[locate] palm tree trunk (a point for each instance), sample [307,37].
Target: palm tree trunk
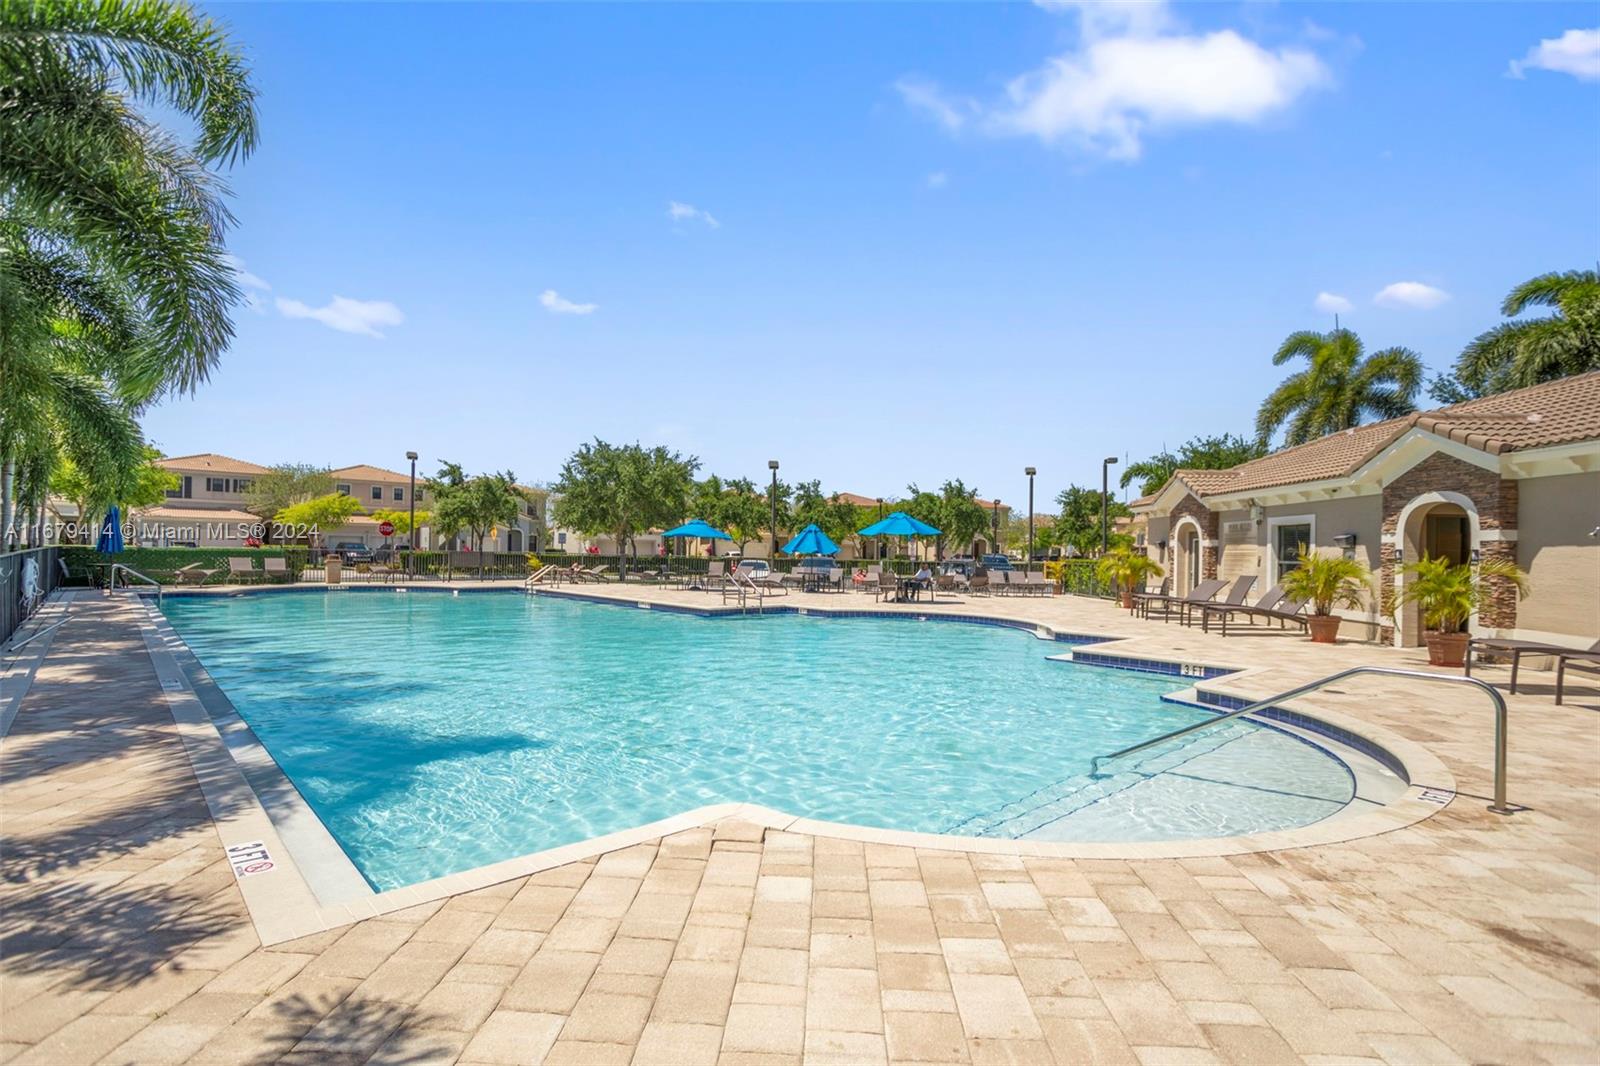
[6,471]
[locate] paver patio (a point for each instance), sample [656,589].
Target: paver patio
[1468,937]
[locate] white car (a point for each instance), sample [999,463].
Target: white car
[755,569]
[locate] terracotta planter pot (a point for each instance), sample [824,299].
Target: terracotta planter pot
[1127,599]
[1324,628]
[1446,649]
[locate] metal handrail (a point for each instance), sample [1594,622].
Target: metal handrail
[1499,806]
[36,634]
[130,571]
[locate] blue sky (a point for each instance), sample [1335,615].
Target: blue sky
[910,242]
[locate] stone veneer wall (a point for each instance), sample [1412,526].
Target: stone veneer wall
[1496,501]
[1208,532]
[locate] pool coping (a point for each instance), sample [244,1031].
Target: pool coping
[283,905]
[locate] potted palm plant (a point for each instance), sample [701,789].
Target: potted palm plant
[1326,582]
[1447,595]
[1129,570]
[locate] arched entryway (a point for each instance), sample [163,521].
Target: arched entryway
[1186,556]
[1435,525]
[513,540]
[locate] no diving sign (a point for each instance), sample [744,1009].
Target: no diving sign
[250,859]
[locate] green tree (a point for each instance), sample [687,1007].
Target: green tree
[320,516]
[838,518]
[1340,388]
[401,520]
[113,278]
[1078,526]
[623,490]
[142,486]
[745,515]
[1197,453]
[954,511]
[473,505]
[283,486]
[1513,355]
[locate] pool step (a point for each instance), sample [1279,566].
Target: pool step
[1065,798]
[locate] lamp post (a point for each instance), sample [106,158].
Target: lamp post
[1030,471]
[772,465]
[994,516]
[880,518]
[1105,500]
[411,523]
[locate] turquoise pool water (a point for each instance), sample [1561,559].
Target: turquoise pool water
[433,733]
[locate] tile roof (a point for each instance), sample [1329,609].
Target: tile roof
[221,464]
[362,472]
[1540,416]
[163,513]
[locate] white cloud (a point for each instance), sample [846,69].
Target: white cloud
[243,276]
[1410,294]
[681,212]
[1133,73]
[1331,303]
[924,96]
[938,179]
[1576,52]
[346,315]
[557,304]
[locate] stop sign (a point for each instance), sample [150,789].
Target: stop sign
[386,528]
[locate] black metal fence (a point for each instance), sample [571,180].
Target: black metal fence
[19,599]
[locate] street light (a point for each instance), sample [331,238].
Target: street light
[1030,471]
[772,465]
[1105,499]
[411,524]
[995,515]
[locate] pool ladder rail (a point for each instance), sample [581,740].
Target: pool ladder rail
[745,587]
[111,585]
[1499,806]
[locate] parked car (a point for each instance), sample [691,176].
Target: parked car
[390,553]
[960,564]
[755,569]
[997,562]
[352,552]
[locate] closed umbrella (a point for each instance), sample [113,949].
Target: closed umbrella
[811,541]
[111,533]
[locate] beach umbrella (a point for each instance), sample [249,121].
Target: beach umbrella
[811,541]
[111,532]
[899,524]
[698,528]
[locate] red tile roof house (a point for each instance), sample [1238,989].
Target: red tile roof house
[1514,476]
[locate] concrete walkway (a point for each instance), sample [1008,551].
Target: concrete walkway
[1465,938]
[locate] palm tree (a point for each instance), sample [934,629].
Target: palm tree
[1341,387]
[1516,354]
[117,283]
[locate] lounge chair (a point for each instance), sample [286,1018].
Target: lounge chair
[979,583]
[595,573]
[1201,593]
[1269,601]
[716,575]
[1518,648]
[193,574]
[241,567]
[888,587]
[1235,598]
[276,566]
[1161,593]
[1587,660]
[1035,583]
[1000,583]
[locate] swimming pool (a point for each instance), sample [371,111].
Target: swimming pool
[434,733]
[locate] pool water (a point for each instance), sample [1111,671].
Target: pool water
[433,733]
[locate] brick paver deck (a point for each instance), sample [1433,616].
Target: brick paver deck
[1465,938]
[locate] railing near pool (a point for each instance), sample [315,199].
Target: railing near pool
[1499,806]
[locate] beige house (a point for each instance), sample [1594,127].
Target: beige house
[207,508]
[1513,476]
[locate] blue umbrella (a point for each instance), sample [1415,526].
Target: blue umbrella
[811,541]
[899,524]
[111,533]
[698,528]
